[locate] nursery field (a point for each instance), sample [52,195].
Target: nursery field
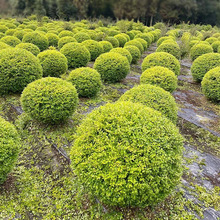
[117,121]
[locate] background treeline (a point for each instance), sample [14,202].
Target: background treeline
[147,11]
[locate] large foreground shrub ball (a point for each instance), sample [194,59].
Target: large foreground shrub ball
[53,62]
[36,38]
[93,47]
[49,100]
[76,54]
[203,64]
[18,68]
[86,80]
[126,154]
[113,67]
[153,97]
[160,76]
[161,59]
[211,84]
[200,49]
[9,148]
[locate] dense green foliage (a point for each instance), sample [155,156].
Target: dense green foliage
[93,47]
[113,41]
[171,48]
[10,40]
[121,39]
[135,43]
[106,46]
[9,148]
[36,38]
[86,80]
[153,97]
[81,36]
[18,67]
[161,59]
[114,159]
[76,54]
[203,64]
[53,62]
[29,47]
[160,76]
[52,39]
[123,52]
[113,67]
[211,84]
[65,40]
[50,100]
[135,53]
[200,49]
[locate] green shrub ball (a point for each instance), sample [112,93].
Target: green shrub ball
[203,64]
[76,54]
[49,100]
[81,36]
[18,68]
[127,155]
[154,97]
[113,41]
[65,40]
[9,148]
[135,43]
[135,53]
[121,39]
[200,49]
[10,40]
[106,46]
[29,47]
[113,67]
[123,52]
[53,62]
[52,39]
[171,48]
[161,59]
[93,47]
[37,39]
[86,80]
[160,76]
[211,84]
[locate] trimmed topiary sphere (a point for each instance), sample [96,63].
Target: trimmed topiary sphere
[29,47]
[171,48]
[3,28]
[121,39]
[65,34]
[211,84]
[37,39]
[211,40]
[9,148]
[153,97]
[160,76]
[49,100]
[76,54]
[65,40]
[106,46]
[52,39]
[4,46]
[161,59]
[81,36]
[203,64]
[53,62]
[135,53]
[143,42]
[10,40]
[18,68]
[162,39]
[86,80]
[126,154]
[113,41]
[215,46]
[19,34]
[144,36]
[200,49]
[93,47]
[135,43]
[113,67]
[123,52]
